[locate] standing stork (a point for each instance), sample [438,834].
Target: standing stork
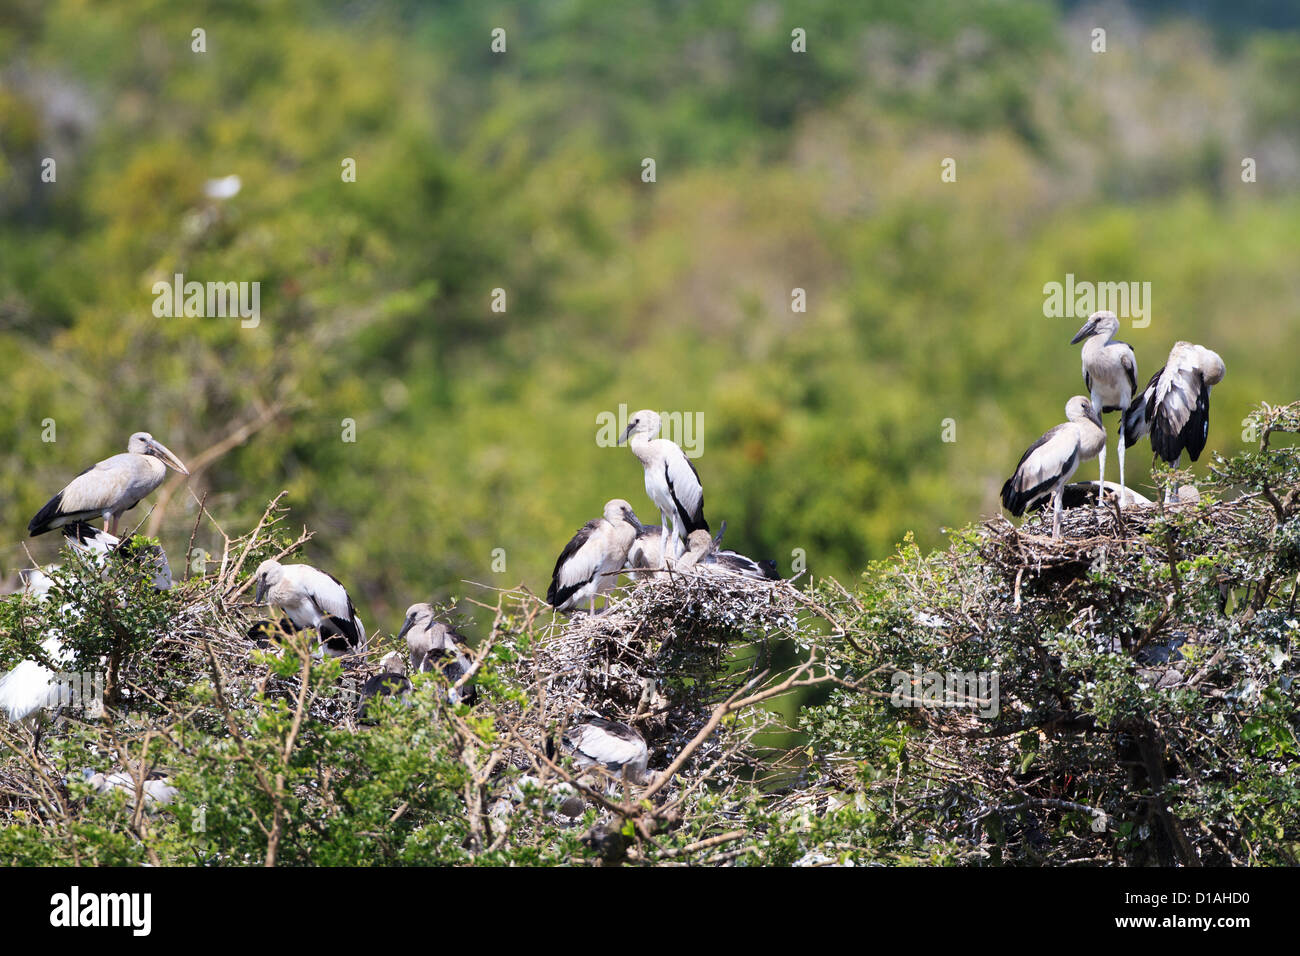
[1175,406]
[110,488]
[589,564]
[434,645]
[671,481]
[312,599]
[1110,374]
[1050,462]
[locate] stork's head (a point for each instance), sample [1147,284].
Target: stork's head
[644,422]
[1079,409]
[699,542]
[419,617]
[1099,323]
[393,663]
[617,510]
[142,443]
[268,574]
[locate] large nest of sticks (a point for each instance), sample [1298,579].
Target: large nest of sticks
[661,654]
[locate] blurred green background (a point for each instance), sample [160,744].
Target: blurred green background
[476,430]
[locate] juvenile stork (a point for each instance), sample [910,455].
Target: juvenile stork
[1175,406]
[671,481]
[312,599]
[611,746]
[707,552]
[589,564]
[110,488]
[1110,374]
[389,682]
[1050,462]
[434,645]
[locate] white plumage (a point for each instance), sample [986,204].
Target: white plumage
[1174,408]
[671,481]
[1049,462]
[109,488]
[589,564]
[1110,374]
[610,745]
[311,598]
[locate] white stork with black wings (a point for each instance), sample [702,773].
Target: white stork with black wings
[1110,374]
[1175,406]
[610,745]
[312,599]
[1050,462]
[671,481]
[110,488]
[589,564]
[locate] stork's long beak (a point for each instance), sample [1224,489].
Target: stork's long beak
[171,461]
[260,596]
[1088,328]
[406,626]
[721,531]
[633,520]
[627,432]
[1096,417]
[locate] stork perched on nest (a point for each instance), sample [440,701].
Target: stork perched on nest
[705,551]
[389,682]
[1110,374]
[435,645]
[1050,462]
[1174,408]
[671,481]
[109,488]
[589,564]
[310,598]
[611,746]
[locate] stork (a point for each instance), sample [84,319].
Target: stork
[154,789]
[1078,494]
[589,564]
[110,488]
[610,746]
[1049,462]
[31,687]
[707,552]
[434,645]
[1174,408]
[389,682]
[1110,374]
[671,480]
[312,599]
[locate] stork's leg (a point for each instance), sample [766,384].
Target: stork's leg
[1101,476]
[111,528]
[663,540]
[1057,499]
[1123,491]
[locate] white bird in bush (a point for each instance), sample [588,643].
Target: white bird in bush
[1110,374]
[671,481]
[310,598]
[590,563]
[31,687]
[110,488]
[1049,462]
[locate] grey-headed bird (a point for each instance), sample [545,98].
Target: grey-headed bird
[671,481]
[589,564]
[109,488]
[1110,374]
